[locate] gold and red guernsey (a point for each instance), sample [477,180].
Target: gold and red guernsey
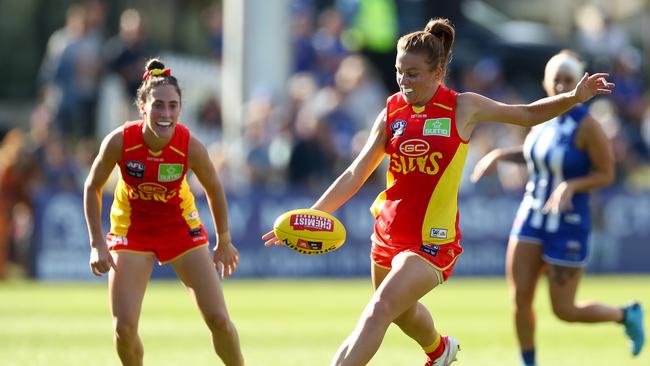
[420,203]
[152,192]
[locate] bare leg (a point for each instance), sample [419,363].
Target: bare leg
[563,285]
[409,280]
[416,322]
[524,266]
[199,275]
[127,285]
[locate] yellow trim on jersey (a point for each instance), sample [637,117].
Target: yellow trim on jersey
[418,109]
[155,153]
[121,210]
[441,211]
[379,202]
[133,148]
[443,106]
[190,213]
[177,151]
[397,110]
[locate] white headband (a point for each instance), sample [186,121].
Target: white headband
[566,64]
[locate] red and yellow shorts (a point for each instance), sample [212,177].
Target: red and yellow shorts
[168,244]
[441,257]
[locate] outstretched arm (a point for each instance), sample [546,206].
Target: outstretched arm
[473,108]
[349,182]
[353,178]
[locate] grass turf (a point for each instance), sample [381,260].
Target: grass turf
[301,323]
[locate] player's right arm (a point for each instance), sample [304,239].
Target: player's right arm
[109,155]
[351,180]
[348,183]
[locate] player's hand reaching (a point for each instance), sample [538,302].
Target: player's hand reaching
[485,166]
[226,256]
[560,200]
[101,260]
[270,239]
[592,85]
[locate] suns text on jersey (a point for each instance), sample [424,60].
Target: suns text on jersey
[138,194]
[427,164]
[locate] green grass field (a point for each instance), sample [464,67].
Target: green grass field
[300,323]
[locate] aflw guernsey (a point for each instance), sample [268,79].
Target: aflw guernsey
[552,157]
[152,193]
[420,203]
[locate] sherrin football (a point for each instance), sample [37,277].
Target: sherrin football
[309,231]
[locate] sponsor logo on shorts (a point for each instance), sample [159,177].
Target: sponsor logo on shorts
[572,218]
[430,249]
[195,232]
[311,223]
[397,127]
[118,240]
[438,233]
[437,127]
[573,246]
[169,172]
[134,168]
[197,235]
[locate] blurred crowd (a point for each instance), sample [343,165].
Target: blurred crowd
[342,74]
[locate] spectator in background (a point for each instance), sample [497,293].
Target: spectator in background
[71,68]
[373,32]
[629,99]
[213,18]
[209,125]
[598,35]
[304,54]
[59,168]
[18,174]
[313,154]
[328,45]
[567,157]
[125,52]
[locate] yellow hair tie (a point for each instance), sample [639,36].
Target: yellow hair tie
[156,72]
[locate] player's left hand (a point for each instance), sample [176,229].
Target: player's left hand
[592,85]
[560,200]
[226,256]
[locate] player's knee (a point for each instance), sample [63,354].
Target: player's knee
[523,298]
[379,312]
[218,321]
[565,312]
[125,330]
[406,317]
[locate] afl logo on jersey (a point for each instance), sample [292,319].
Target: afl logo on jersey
[135,168]
[414,147]
[397,128]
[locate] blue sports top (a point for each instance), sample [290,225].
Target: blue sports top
[552,157]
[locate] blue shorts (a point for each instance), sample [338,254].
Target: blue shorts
[567,245]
